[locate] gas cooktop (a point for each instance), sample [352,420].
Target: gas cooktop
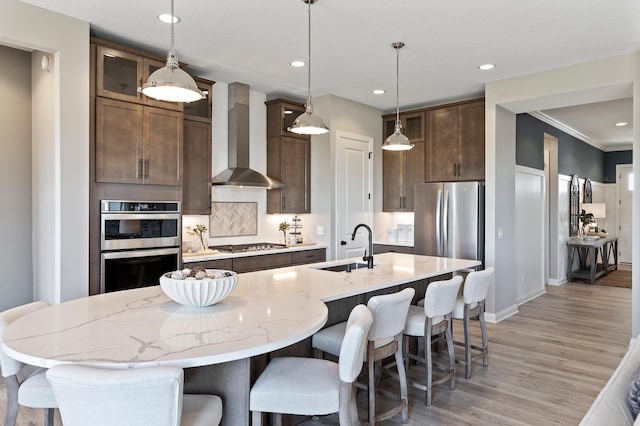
[242,248]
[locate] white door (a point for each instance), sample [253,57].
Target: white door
[353,193]
[624,184]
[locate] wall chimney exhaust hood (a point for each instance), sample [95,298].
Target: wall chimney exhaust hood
[239,173]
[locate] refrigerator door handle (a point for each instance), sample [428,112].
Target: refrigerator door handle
[445,224]
[438,220]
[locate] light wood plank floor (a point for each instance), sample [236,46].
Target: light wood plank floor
[547,365]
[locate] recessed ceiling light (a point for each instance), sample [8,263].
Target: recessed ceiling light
[622,123]
[297,64]
[166,18]
[378,91]
[485,67]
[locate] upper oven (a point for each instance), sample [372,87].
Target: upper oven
[139,225]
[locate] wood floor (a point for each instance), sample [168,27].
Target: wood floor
[547,365]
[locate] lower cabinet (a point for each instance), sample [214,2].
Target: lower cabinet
[389,248]
[263,262]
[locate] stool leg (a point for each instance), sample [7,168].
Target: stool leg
[371,388]
[402,378]
[485,338]
[277,419]
[467,343]
[452,355]
[256,418]
[428,364]
[12,400]
[48,416]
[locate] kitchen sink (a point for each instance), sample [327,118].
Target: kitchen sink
[345,267]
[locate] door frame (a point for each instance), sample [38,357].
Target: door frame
[618,210]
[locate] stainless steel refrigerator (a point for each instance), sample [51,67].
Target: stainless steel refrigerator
[449,219]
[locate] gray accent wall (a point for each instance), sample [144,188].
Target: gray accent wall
[613,158]
[574,155]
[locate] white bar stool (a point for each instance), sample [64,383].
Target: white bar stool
[432,320]
[471,307]
[385,340]
[311,386]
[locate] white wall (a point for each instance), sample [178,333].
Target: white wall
[530,201]
[605,79]
[15,178]
[60,203]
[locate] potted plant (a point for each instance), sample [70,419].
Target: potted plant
[283,228]
[585,219]
[198,231]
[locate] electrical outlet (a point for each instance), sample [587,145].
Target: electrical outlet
[319,230]
[499,233]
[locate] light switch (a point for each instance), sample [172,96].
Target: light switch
[499,233]
[319,230]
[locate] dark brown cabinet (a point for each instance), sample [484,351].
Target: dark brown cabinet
[119,73]
[137,144]
[196,187]
[196,183]
[288,160]
[403,169]
[263,261]
[455,150]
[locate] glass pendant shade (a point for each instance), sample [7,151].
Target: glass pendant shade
[170,83]
[309,123]
[397,141]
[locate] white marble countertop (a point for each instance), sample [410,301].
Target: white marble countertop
[395,243]
[213,255]
[268,310]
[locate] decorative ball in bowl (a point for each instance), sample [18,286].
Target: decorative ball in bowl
[198,286]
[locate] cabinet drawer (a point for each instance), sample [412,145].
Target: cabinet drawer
[389,248]
[308,256]
[259,263]
[212,264]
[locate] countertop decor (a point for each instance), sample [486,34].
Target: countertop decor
[198,287]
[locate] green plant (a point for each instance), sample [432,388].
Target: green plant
[283,228]
[198,231]
[585,218]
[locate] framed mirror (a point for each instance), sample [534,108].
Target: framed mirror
[574,206]
[587,197]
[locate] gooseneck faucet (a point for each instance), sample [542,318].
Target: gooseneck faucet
[368,259]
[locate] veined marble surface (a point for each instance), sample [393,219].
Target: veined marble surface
[214,255]
[268,310]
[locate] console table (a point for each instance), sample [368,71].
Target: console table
[587,252]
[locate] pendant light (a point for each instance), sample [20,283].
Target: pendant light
[397,141]
[309,123]
[170,83]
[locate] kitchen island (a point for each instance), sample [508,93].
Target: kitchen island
[267,311]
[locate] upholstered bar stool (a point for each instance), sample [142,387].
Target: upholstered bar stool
[310,386]
[471,307]
[34,391]
[434,319]
[384,340]
[129,397]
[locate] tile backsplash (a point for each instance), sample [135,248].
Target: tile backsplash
[230,219]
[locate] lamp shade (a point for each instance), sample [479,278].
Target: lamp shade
[309,123]
[397,142]
[172,84]
[598,210]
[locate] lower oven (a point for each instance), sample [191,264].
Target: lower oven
[123,270]
[139,241]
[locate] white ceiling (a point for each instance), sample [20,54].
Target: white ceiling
[253,41]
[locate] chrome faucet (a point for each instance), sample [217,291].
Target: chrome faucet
[368,259]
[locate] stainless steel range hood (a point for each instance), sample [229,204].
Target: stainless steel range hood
[239,173]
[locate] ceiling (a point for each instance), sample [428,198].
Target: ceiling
[253,41]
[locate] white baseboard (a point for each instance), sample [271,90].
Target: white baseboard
[503,314]
[531,296]
[557,282]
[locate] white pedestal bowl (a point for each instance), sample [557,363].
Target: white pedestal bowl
[199,292]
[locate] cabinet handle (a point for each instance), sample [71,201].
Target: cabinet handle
[284,203]
[455,173]
[146,166]
[139,169]
[458,169]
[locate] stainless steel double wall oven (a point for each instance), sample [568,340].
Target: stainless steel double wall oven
[139,241]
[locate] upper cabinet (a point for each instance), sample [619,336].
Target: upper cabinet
[288,159]
[119,73]
[196,186]
[455,148]
[401,170]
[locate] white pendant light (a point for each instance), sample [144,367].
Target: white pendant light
[309,123]
[170,83]
[397,141]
